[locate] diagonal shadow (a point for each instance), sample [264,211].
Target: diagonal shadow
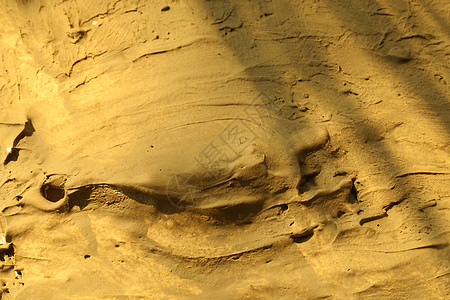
[313,53]
[428,88]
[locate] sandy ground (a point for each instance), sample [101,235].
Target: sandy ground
[208,149]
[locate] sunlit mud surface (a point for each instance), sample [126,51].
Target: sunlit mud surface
[224,149]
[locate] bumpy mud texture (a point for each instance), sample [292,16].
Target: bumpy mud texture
[224,149]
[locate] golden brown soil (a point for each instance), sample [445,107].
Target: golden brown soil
[225,149]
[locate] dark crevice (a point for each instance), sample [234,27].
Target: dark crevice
[52,193]
[353,195]
[7,252]
[304,236]
[391,205]
[383,215]
[372,218]
[284,207]
[307,181]
[12,156]
[281,208]
[421,173]
[80,197]
[27,131]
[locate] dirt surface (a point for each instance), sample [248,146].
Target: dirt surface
[225,149]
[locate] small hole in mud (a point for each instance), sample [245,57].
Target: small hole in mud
[87,256]
[52,193]
[117,246]
[165,8]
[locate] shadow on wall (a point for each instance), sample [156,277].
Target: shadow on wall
[295,45]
